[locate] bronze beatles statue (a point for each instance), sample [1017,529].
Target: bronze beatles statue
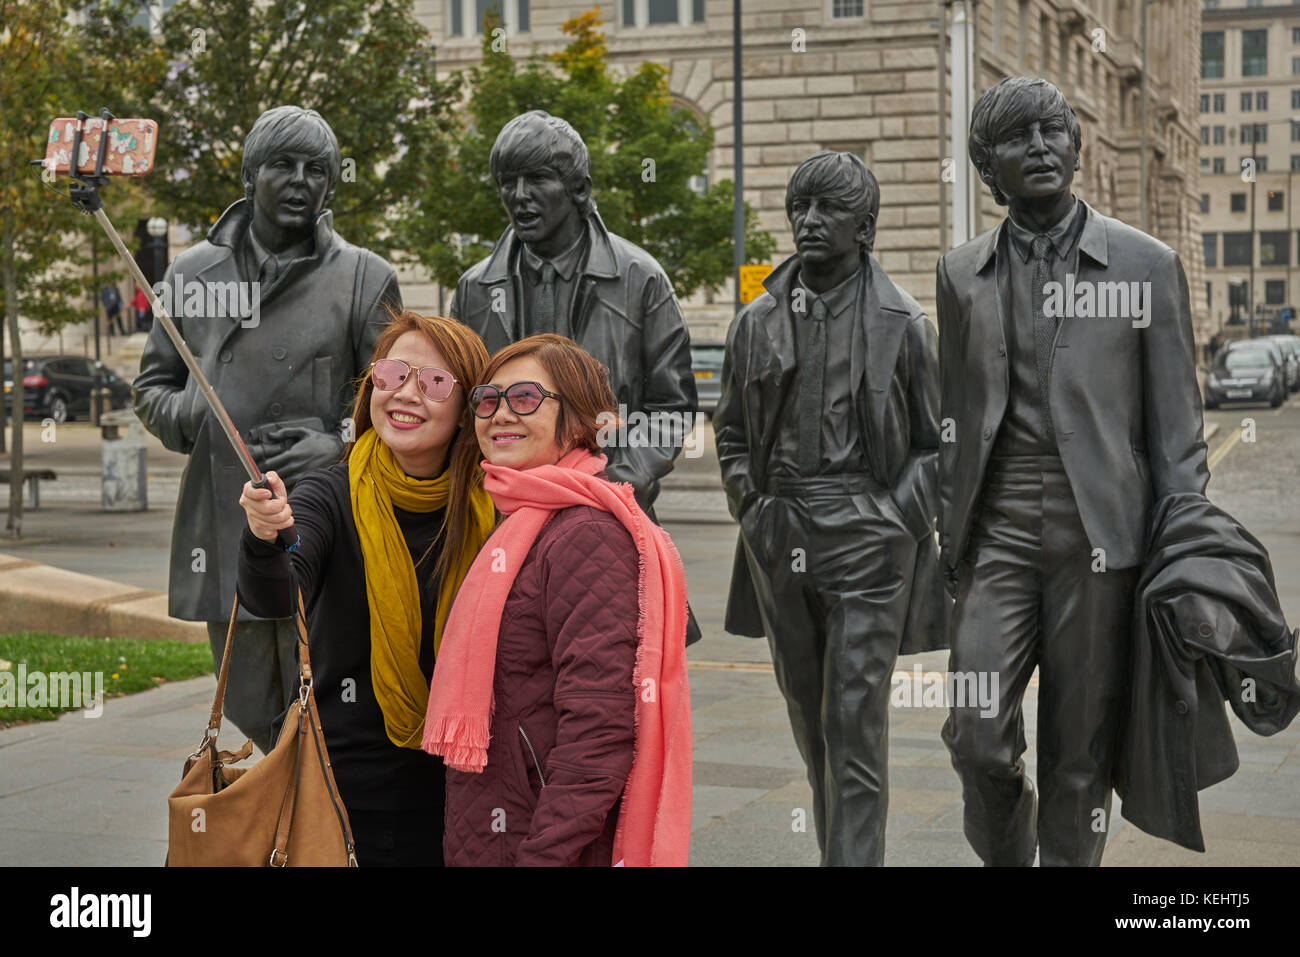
[557,269]
[282,354]
[828,438]
[1075,532]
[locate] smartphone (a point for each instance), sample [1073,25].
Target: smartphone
[131,145]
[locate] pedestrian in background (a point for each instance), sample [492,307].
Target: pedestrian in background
[112,300]
[141,306]
[561,701]
[386,538]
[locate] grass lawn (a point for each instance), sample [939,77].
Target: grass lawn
[127,666]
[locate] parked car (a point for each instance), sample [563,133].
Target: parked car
[1291,349]
[1246,371]
[59,387]
[706,361]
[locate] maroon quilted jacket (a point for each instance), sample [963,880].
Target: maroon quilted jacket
[562,730]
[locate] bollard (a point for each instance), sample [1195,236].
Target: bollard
[125,471]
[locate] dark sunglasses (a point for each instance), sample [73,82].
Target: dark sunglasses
[389,375]
[523,398]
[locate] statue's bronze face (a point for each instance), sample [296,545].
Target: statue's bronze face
[1035,161]
[825,230]
[289,191]
[541,208]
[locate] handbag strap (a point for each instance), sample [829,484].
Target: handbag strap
[308,724]
[280,850]
[223,675]
[214,719]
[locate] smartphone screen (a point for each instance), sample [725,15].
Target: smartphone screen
[131,145]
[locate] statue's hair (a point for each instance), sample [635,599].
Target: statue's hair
[538,139]
[1011,103]
[843,177]
[290,129]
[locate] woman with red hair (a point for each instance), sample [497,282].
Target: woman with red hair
[386,536]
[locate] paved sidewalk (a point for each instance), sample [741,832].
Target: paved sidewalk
[81,791]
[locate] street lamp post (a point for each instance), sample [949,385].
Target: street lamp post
[738,149]
[1142,157]
[157,229]
[1254,178]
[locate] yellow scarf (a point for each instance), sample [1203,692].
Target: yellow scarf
[377,484]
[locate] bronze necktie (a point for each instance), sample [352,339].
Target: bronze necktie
[812,375]
[545,320]
[1044,331]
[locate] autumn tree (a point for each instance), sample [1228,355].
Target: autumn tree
[49,70]
[366,66]
[648,157]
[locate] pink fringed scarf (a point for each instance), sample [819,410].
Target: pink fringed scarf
[655,816]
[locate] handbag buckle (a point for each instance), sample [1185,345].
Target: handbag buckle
[284,858]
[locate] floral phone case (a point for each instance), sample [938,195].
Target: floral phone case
[131,145]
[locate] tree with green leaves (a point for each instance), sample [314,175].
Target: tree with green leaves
[366,66]
[50,70]
[645,152]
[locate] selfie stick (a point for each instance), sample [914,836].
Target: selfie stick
[85,196]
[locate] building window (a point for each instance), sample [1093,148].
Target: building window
[1212,55]
[1236,249]
[1261,100]
[1295,99]
[1274,248]
[1208,287]
[514,15]
[651,13]
[1205,136]
[1295,66]
[1218,165]
[1254,53]
[1205,164]
[1218,136]
[1205,202]
[1219,100]
[1274,292]
[846,9]
[1295,131]
[1295,35]
[1247,100]
[1238,203]
[1205,102]
[1261,163]
[1276,200]
[1258,130]
[1211,241]
[1022,34]
[1295,162]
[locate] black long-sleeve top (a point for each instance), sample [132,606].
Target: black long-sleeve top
[372,772]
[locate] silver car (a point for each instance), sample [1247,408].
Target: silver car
[1291,351]
[706,363]
[1246,371]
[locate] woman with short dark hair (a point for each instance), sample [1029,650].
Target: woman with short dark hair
[561,701]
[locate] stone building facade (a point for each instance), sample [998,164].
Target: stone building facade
[1250,117]
[867,79]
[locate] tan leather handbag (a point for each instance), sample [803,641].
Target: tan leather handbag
[285,811]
